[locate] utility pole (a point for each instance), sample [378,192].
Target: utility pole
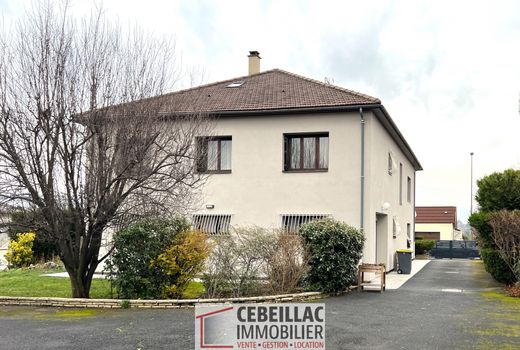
[471,203]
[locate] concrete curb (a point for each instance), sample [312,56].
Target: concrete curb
[148,304]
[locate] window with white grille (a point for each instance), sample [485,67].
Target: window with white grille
[291,222]
[212,224]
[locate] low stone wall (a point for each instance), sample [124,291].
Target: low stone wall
[149,304]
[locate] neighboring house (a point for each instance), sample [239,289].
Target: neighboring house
[4,245]
[437,223]
[4,237]
[287,150]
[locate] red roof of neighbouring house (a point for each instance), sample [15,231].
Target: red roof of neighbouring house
[436,215]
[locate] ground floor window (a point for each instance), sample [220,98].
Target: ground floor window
[212,224]
[291,222]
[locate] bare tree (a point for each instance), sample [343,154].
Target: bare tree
[83,143]
[506,234]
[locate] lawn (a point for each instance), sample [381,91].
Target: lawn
[33,283]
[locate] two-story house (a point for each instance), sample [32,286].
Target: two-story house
[287,150]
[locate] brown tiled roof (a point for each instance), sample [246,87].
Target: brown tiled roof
[269,90]
[436,215]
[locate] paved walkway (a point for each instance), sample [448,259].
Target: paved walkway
[395,280]
[66,275]
[449,304]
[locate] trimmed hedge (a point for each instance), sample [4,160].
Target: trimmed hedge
[423,246]
[496,266]
[335,249]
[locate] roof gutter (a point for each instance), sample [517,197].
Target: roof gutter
[362,204]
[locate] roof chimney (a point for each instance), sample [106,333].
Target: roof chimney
[254,62]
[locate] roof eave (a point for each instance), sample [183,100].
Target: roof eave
[388,123]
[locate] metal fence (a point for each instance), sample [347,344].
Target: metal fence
[455,250]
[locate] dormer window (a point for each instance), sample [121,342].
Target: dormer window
[236,84]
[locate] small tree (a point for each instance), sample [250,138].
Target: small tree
[20,251]
[335,249]
[499,191]
[506,235]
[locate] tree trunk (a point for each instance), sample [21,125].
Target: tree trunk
[80,281]
[79,290]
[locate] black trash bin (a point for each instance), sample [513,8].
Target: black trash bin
[404,261]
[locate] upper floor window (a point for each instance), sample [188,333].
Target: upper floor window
[214,154]
[409,189]
[306,151]
[401,183]
[390,163]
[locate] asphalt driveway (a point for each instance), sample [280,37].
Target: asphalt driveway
[450,304]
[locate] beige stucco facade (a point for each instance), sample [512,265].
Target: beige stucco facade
[446,230]
[259,192]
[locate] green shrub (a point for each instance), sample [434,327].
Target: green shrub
[335,250]
[23,221]
[496,266]
[423,246]
[131,266]
[480,222]
[19,253]
[499,191]
[181,261]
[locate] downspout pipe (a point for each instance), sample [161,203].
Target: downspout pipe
[362,199]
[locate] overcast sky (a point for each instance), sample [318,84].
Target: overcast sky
[448,72]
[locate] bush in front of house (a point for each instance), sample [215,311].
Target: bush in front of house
[153,258]
[236,264]
[43,249]
[423,246]
[286,265]
[335,250]
[19,253]
[181,262]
